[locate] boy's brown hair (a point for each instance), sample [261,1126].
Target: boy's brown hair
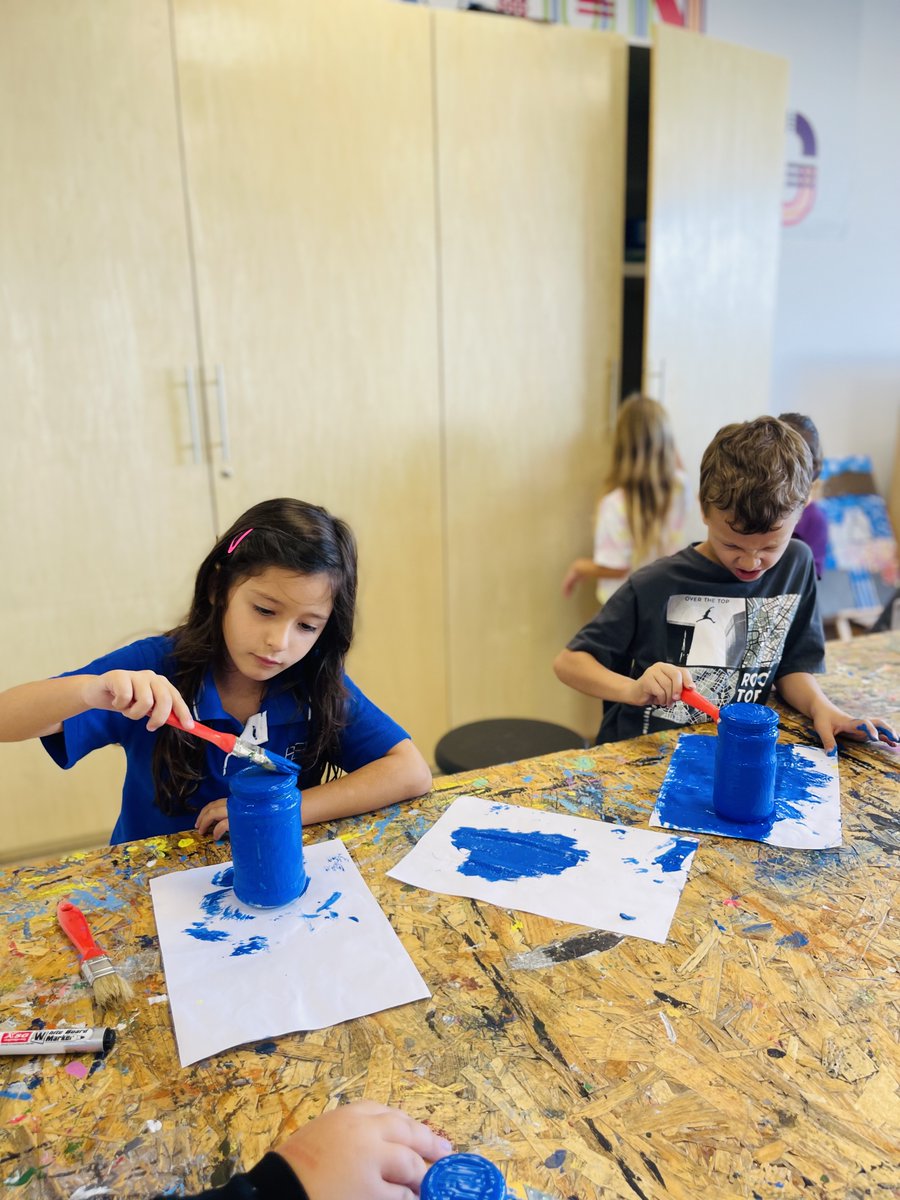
[758,471]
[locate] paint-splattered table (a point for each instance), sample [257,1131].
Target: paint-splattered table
[755,1054]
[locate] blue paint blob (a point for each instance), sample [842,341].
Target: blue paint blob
[230,913]
[212,902]
[265,1048]
[266,838]
[202,934]
[795,939]
[463,1177]
[630,860]
[251,946]
[502,854]
[627,917]
[224,878]
[676,851]
[327,904]
[744,781]
[556,1159]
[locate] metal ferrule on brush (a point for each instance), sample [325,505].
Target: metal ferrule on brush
[96,968]
[255,754]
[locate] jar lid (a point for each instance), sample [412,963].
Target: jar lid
[463,1177]
[748,718]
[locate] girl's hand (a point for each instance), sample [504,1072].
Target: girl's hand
[362,1151]
[829,721]
[660,684]
[213,816]
[135,694]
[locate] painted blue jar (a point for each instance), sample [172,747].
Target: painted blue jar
[744,785]
[266,838]
[463,1177]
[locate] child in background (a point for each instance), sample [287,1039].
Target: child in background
[729,616]
[261,654]
[812,527]
[641,514]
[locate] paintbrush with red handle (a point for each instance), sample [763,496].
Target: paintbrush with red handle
[230,743]
[108,985]
[695,700]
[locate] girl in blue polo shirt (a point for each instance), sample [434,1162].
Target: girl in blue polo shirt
[261,654]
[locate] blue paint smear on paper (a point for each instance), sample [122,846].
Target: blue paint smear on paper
[224,878]
[686,796]
[795,939]
[203,934]
[676,851]
[251,946]
[504,854]
[627,917]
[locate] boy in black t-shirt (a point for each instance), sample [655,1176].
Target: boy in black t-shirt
[728,616]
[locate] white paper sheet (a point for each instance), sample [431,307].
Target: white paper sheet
[807,796]
[238,974]
[569,868]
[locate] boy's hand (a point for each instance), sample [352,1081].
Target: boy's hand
[136,694]
[829,720]
[660,685]
[362,1151]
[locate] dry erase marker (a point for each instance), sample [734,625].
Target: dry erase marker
[73,1039]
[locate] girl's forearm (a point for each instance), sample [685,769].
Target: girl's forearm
[400,775]
[37,709]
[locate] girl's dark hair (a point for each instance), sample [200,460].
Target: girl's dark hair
[293,536]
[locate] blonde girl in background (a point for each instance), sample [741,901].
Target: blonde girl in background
[642,513]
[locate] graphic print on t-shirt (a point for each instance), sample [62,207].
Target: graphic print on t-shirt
[730,645]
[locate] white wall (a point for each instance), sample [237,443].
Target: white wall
[837,330]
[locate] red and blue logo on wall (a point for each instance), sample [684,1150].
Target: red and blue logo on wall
[800,175]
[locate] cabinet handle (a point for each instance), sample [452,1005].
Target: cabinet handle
[615,382]
[226,470]
[659,375]
[193,419]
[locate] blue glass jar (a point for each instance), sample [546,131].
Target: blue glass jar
[266,838]
[744,785]
[463,1177]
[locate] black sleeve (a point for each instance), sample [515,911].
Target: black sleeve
[609,636]
[270,1179]
[804,646]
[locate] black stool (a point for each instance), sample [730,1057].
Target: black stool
[502,740]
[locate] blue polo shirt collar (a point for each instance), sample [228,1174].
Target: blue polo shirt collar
[280,708]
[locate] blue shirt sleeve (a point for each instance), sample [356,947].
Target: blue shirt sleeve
[369,733]
[97,727]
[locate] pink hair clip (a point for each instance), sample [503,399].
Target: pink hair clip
[235,542]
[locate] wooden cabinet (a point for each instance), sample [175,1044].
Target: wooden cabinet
[531,162]
[703,320]
[105,512]
[309,149]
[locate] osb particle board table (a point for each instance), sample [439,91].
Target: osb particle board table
[754,1054]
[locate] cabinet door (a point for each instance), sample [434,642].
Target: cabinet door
[716,162]
[531,159]
[310,154]
[105,514]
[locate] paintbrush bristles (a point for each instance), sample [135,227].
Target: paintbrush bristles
[109,987]
[112,990]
